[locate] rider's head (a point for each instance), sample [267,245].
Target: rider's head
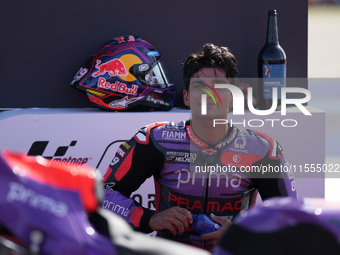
[210,56]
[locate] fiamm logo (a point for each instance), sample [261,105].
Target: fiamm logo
[58,158]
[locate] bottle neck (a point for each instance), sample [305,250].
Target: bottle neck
[272,30]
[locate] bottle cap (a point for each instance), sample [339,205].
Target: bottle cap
[272,12]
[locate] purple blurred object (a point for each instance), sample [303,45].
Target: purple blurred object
[53,209]
[42,215]
[284,226]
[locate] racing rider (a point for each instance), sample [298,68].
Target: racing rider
[197,168]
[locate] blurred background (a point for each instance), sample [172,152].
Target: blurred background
[324,77]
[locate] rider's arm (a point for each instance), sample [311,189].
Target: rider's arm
[275,184]
[134,162]
[274,178]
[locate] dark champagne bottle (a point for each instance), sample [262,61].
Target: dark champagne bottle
[271,65]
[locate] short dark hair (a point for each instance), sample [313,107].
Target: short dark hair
[210,56]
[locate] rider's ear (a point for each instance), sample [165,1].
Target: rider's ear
[186,98]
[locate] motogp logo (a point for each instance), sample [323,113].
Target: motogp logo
[58,158]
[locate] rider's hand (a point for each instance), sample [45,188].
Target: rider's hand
[213,237]
[174,219]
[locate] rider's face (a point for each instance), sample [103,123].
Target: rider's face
[218,100]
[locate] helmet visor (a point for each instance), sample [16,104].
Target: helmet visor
[151,74]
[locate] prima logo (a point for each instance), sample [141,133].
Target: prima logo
[238,100]
[19,193]
[223,176]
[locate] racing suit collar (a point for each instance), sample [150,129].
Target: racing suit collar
[229,137]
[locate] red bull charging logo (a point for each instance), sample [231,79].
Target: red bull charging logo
[113,68]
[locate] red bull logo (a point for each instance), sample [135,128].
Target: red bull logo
[113,68]
[118,87]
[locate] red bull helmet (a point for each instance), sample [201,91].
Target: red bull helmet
[126,74]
